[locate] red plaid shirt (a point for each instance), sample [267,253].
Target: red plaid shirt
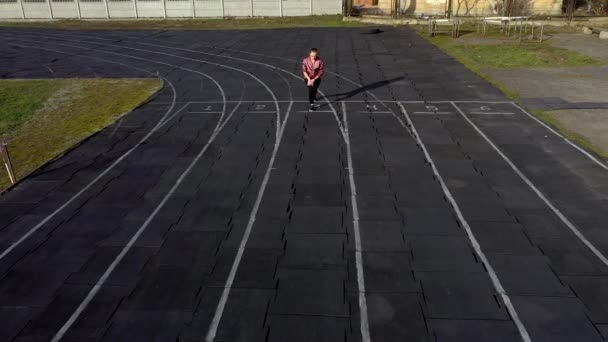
[313,69]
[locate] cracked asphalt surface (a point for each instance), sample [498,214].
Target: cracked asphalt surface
[417,204]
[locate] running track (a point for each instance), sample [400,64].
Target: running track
[417,204]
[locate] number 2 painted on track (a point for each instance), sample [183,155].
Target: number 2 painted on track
[260,107]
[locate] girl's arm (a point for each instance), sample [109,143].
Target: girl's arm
[321,69]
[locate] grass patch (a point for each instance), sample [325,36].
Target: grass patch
[445,44]
[512,54]
[570,134]
[43,118]
[192,24]
[19,100]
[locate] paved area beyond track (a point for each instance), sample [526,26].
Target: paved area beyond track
[417,204]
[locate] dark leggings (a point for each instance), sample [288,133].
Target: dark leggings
[312,90]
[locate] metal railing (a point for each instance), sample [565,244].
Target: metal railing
[8,165]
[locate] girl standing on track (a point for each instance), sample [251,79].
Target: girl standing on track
[313,68]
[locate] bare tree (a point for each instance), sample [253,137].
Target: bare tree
[467,4]
[514,7]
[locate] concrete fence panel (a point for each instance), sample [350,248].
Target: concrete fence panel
[10,9]
[209,8]
[130,9]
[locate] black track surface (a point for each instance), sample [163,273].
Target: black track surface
[65,225]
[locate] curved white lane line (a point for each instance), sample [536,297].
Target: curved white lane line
[230,280]
[275,100]
[32,230]
[465,224]
[232,275]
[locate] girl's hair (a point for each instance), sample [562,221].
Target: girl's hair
[314,50]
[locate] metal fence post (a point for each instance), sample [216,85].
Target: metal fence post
[251,8]
[22,10]
[280,8]
[7,162]
[193,8]
[50,9]
[78,9]
[105,2]
[223,9]
[310,7]
[135,8]
[165,9]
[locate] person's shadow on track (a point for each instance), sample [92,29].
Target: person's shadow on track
[334,98]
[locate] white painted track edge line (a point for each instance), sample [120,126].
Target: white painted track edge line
[465,224]
[219,310]
[363,312]
[570,142]
[533,187]
[492,113]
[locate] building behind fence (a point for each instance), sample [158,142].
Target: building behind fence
[464,7]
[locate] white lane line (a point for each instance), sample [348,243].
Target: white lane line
[219,310]
[166,118]
[363,314]
[161,123]
[372,111]
[580,149]
[432,113]
[492,113]
[204,112]
[315,111]
[261,112]
[465,224]
[93,292]
[557,212]
[108,272]
[116,127]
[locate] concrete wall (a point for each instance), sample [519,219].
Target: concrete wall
[93,9]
